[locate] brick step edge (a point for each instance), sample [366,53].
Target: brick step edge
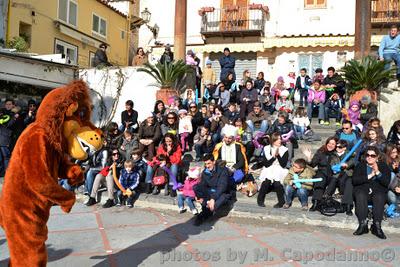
[247,208]
[346,224]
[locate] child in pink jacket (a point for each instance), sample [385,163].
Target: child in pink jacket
[186,193]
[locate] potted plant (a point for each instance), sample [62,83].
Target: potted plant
[167,76]
[365,77]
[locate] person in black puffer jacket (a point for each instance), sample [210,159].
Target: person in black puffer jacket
[321,160]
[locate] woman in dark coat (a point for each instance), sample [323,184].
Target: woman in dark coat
[197,120]
[394,134]
[149,136]
[159,111]
[321,160]
[371,180]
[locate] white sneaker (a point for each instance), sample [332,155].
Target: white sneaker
[195,212]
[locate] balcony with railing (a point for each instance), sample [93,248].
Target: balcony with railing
[385,12]
[233,21]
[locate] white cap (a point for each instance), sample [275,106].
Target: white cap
[194,172]
[229,130]
[285,93]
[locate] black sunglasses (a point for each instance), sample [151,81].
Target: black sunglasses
[340,146]
[371,156]
[114,154]
[170,117]
[346,128]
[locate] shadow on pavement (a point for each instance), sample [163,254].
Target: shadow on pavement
[53,254]
[139,252]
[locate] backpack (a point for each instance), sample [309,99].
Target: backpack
[330,207]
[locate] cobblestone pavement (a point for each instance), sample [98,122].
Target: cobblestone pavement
[153,237]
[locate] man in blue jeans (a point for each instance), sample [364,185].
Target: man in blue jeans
[257,120]
[389,49]
[214,189]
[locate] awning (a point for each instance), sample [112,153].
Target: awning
[309,41]
[323,41]
[77,35]
[235,47]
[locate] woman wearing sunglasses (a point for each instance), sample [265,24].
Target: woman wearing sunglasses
[371,179]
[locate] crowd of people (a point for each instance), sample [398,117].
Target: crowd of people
[237,127]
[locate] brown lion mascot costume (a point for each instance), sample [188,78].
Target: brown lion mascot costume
[42,155]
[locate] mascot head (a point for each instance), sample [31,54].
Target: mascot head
[65,115]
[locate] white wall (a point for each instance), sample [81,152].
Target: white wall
[289,17]
[137,87]
[163,14]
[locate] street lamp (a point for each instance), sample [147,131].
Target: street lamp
[136,23]
[146,15]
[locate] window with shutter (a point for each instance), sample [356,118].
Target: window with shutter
[315,3]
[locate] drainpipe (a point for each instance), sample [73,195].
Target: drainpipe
[8,21]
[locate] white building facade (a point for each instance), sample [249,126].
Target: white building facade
[275,36]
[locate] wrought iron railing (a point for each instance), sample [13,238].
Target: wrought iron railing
[235,19]
[385,11]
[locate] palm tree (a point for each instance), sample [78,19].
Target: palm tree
[366,75]
[168,74]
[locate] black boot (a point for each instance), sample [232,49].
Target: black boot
[278,205]
[377,230]
[91,201]
[173,192]
[156,190]
[148,188]
[166,190]
[260,204]
[362,228]
[109,203]
[348,209]
[315,205]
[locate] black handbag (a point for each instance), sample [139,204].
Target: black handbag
[330,207]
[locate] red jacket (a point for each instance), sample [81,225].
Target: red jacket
[175,158]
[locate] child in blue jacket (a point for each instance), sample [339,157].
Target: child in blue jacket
[129,180]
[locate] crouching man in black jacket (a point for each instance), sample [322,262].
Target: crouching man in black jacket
[371,179]
[214,189]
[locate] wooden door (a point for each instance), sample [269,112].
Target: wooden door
[234,15]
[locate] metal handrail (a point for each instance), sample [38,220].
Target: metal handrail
[233,20]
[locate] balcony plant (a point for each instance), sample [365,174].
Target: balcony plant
[167,76]
[365,77]
[259,7]
[204,10]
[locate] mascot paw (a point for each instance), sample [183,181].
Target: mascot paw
[67,206]
[75,175]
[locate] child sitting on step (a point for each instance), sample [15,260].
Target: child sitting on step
[129,180]
[299,170]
